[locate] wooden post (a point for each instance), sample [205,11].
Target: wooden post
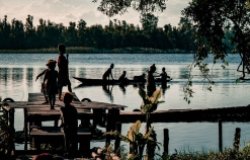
[220,136]
[117,139]
[84,144]
[236,143]
[25,130]
[166,141]
[113,115]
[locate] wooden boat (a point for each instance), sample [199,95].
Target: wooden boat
[96,82]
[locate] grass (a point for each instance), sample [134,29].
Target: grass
[227,154]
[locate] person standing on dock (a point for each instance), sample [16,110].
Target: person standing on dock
[43,87]
[63,66]
[50,80]
[108,73]
[70,124]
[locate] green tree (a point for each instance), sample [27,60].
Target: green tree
[5,29]
[29,31]
[81,32]
[186,35]
[17,34]
[71,34]
[213,19]
[113,7]
[149,22]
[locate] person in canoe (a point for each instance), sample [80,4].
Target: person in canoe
[140,78]
[123,79]
[108,73]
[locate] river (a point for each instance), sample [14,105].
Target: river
[18,73]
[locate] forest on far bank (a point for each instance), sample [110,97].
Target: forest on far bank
[117,36]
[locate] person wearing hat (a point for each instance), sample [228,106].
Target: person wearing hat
[50,80]
[43,87]
[69,124]
[63,67]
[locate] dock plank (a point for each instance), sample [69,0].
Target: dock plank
[55,134]
[102,105]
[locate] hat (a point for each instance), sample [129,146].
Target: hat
[50,62]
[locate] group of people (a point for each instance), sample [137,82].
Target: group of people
[151,85]
[54,80]
[53,83]
[151,77]
[108,74]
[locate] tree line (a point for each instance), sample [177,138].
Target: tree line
[117,34]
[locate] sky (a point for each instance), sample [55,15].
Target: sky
[64,11]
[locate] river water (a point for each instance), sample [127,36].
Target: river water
[18,73]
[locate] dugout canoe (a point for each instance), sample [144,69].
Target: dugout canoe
[96,82]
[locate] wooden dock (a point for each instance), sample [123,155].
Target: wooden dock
[36,112]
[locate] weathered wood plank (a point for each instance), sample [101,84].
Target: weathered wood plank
[56,135]
[227,114]
[102,105]
[55,131]
[34,97]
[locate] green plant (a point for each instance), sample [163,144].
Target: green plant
[7,135]
[137,140]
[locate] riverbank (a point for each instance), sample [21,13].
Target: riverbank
[95,50]
[228,154]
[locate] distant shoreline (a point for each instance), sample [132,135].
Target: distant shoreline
[88,50]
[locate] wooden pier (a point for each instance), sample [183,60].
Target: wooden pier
[111,114]
[35,113]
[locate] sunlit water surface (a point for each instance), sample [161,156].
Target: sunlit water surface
[18,73]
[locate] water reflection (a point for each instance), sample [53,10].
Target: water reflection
[17,81]
[108,92]
[4,75]
[17,74]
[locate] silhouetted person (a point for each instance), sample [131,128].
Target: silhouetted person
[151,81]
[51,82]
[63,66]
[108,73]
[123,76]
[153,67]
[70,124]
[123,79]
[140,78]
[164,77]
[43,87]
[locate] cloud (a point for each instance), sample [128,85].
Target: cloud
[173,12]
[64,11]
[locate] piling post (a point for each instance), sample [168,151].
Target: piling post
[117,139]
[236,143]
[25,130]
[166,141]
[220,136]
